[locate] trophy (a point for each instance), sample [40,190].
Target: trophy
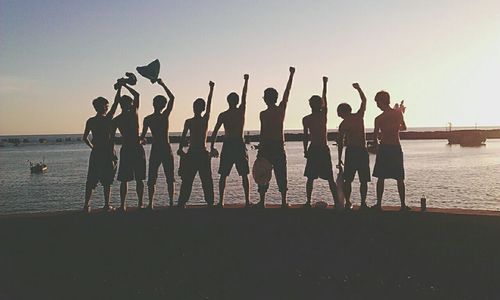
[150,71]
[129,79]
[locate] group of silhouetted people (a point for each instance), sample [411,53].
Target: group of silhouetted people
[271,151]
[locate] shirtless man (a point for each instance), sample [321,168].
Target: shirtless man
[319,161]
[102,162]
[272,140]
[389,162]
[234,150]
[197,159]
[352,134]
[132,156]
[161,152]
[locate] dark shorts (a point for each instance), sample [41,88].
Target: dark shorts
[132,163]
[357,159]
[234,152]
[389,162]
[319,163]
[102,167]
[274,152]
[161,155]
[196,161]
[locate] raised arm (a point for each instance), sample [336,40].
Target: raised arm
[286,94]
[209,100]
[243,104]
[112,111]
[183,138]
[171,98]
[362,108]
[325,84]
[86,135]
[216,130]
[135,94]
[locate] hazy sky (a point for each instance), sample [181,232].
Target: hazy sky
[441,56]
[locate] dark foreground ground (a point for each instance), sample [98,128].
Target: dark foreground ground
[250,254]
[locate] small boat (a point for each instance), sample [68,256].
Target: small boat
[38,168]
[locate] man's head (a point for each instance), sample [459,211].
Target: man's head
[344,110]
[270,96]
[233,99]
[159,102]
[198,106]
[383,100]
[100,105]
[126,103]
[316,103]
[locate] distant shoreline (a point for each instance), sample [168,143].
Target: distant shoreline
[253,137]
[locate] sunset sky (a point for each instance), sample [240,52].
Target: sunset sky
[441,56]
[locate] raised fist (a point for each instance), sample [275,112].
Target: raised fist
[325,79]
[245,76]
[211,84]
[292,70]
[356,86]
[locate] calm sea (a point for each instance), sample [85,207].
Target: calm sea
[449,176]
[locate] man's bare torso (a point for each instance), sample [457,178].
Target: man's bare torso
[198,127]
[389,122]
[353,128]
[158,123]
[234,121]
[271,124]
[316,124]
[128,124]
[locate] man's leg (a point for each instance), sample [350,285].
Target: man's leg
[262,194]
[280,172]
[186,187]
[151,193]
[333,190]
[123,194]
[88,194]
[347,186]
[309,189]
[222,187]
[402,193]
[170,188]
[107,196]
[139,186]
[363,190]
[207,181]
[246,189]
[380,192]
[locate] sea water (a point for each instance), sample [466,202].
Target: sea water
[448,176]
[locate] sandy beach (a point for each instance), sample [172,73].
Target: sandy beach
[251,254]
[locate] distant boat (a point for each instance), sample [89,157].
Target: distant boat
[38,168]
[467,138]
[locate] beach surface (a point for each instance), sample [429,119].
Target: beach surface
[236,253]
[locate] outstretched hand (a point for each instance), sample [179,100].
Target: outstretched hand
[356,85]
[160,81]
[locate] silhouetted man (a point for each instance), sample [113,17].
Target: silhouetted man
[319,160]
[132,157]
[389,162]
[234,150]
[352,135]
[272,140]
[102,162]
[197,159]
[161,152]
